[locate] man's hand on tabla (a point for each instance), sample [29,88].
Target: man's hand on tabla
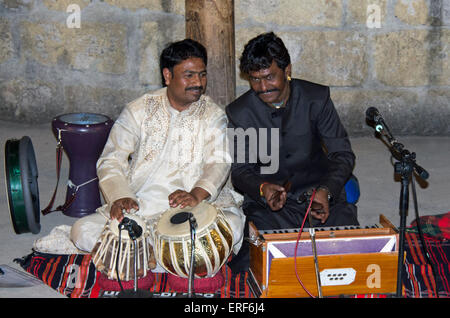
[119,205]
[183,198]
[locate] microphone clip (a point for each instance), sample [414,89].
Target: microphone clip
[133,229]
[193,222]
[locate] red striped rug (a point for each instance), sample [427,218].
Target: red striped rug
[75,275]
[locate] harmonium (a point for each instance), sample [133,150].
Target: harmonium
[351,260]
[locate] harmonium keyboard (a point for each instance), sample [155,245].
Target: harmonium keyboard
[350,260]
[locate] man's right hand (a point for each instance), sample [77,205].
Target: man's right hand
[122,204]
[275,195]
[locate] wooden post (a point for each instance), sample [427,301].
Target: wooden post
[211,22]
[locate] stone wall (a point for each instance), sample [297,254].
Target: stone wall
[399,65]
[49,66]
[391,54]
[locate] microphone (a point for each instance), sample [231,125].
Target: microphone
[134,229]
[373,115]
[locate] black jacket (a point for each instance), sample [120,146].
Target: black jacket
[314,148]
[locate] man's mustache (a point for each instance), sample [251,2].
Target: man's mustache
[268,91]
[194,88]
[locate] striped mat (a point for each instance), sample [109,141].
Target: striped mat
[423,280]
[75,275]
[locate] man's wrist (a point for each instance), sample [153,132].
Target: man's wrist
[200,194]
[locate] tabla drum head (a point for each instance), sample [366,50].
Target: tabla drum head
[204,214]
[114,226]
[22,190]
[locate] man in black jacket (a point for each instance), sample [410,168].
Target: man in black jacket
[297,123]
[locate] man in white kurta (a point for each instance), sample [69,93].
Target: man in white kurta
[154,150]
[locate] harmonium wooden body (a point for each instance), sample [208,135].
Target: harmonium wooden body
[350,260]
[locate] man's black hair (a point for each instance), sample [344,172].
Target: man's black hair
[261,51]
[179,51]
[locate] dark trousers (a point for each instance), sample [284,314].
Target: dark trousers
[289,217]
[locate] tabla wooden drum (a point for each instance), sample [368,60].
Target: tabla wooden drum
[213,243]
[104,254]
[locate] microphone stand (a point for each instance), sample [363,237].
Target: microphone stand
[136,293]
[180,218]
[193,227]
[405,166]
[312,234]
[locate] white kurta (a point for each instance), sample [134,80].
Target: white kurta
[153,150]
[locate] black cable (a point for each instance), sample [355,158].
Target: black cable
[117,259]
[419,229]
[192,268]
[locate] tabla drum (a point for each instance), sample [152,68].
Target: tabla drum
[213,243]
[22,190]
[105,252]
[83,137]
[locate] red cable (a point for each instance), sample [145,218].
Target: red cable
[296,245]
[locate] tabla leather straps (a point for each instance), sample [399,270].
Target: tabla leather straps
[66,205]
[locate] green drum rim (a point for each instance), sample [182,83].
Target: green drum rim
[14,187]
[21,185]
